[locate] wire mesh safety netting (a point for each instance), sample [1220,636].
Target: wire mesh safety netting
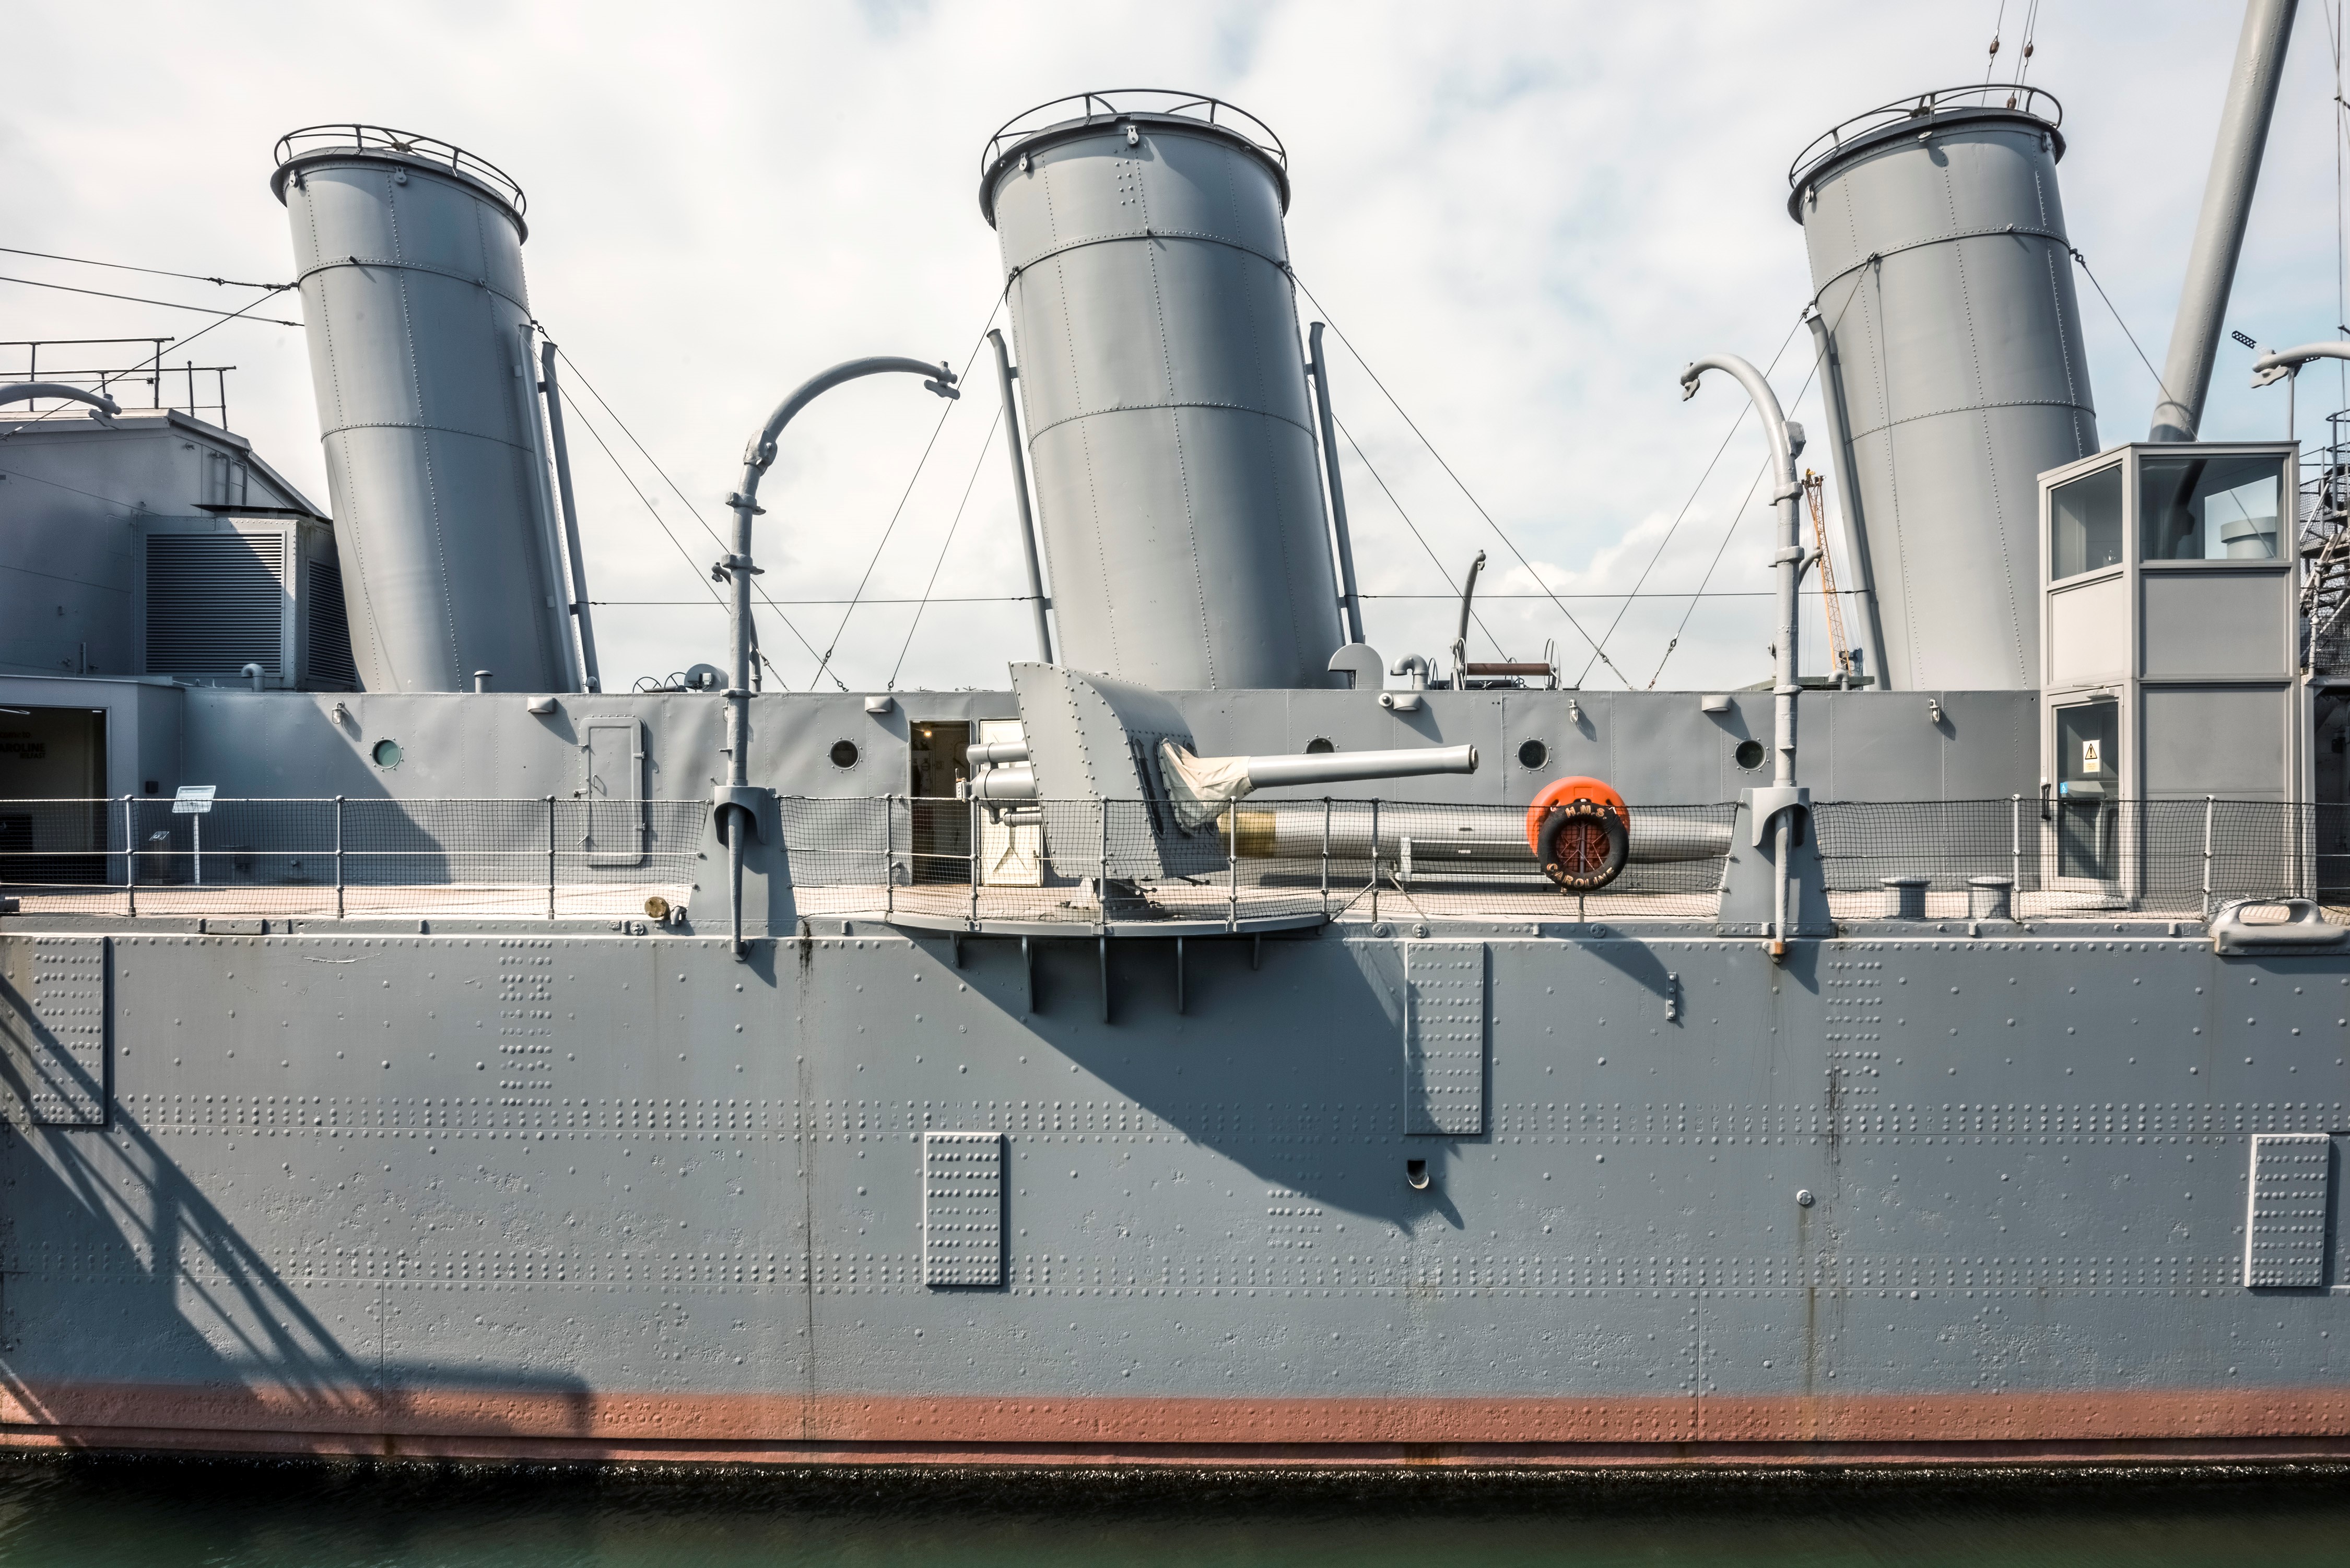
[1132,861]
[559,858]
[2082,858]
[1127,862]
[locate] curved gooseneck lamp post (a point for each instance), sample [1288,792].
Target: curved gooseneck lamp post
[735,799]
[1780,807]
[2284,365]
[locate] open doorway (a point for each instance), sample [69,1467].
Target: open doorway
[937,767]
[53,814]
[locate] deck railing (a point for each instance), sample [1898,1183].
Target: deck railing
[1131,862]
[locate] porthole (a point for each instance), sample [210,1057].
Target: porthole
[1533,753]
[386,754]
[843,753]
[1749,754]
[1320,745]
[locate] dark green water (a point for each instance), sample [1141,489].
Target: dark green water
[94,1512]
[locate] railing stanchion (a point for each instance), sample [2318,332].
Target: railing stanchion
[550,858]
[130,858]
[2016,851]
[1101,881]
[1374,862]
[973,806]
[1325,857]
[1233,865]
[2210,805]
[338,857]
[889,852]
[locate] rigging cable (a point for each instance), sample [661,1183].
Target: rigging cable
[1448,473]
[1737,420]
[948,412]
[164,304]
[1415,533]
[1740,515]
[691,510]
[659,520]
[150,271]
[2117,315]
[924,602]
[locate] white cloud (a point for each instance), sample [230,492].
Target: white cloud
[1528,216]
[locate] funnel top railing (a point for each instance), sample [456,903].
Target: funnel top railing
[404,145]
[1081,114]
[1993,100]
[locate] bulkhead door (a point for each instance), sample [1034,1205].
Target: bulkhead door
[615,792]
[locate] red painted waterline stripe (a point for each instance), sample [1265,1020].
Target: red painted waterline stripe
[2087,1427]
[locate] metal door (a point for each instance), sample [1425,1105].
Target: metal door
[615,793]
[2088,847]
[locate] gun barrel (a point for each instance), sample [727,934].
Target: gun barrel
[1347,767]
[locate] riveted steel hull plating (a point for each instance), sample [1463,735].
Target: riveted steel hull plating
[574,1195]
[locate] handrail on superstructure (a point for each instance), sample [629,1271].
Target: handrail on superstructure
[313,139]
[1926,106]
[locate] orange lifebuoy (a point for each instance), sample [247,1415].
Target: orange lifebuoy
[1560,791]
[1580,832]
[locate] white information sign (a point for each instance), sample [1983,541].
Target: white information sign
[193,800]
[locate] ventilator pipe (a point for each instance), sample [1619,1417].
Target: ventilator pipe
[31,391]
[1460,638]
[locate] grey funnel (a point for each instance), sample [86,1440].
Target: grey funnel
[1944,280]
[409,256]
[1169,429]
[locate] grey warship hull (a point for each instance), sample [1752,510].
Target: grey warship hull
[1094,1070]
[442,1183]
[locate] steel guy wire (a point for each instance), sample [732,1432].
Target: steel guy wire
[2117,315]
[152,271]
[1498,531]
[689,505]
[662,522]
[1740,515]
[1727,437]
[1416,533]
[924,602]
[944,414]
[165,304]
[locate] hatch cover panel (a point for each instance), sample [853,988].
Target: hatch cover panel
[962,1209]
[2284,1233]
[53,1014]
[1444,1046]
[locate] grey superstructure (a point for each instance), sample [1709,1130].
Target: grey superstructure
[1204,1049]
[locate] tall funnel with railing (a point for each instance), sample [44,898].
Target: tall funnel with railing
[410,255]
[1951,367]
[1168,428]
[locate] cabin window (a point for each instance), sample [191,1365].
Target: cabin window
[2085,533]
[2208,508]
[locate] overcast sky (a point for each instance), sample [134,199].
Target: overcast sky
[1526,217]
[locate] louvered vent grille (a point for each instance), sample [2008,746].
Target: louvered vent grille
[215,603]
[331,630]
